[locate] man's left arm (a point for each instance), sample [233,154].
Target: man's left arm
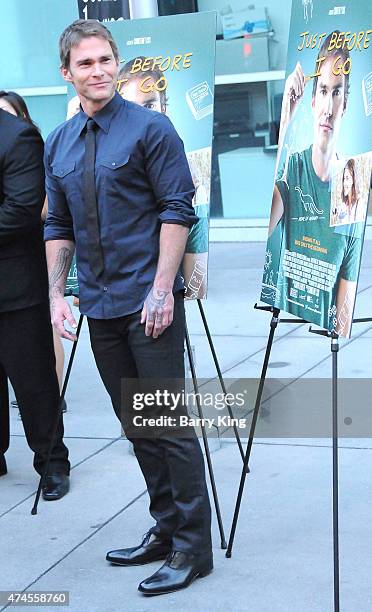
[345,305]
[170,178]
[347,286]
[157,311]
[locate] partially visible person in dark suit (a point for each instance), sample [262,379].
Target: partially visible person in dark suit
[14,104]
[26,339]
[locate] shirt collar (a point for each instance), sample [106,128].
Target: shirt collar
[104,116]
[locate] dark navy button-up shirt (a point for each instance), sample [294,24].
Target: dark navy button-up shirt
[142,180]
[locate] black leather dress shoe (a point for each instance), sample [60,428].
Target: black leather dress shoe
[152,548]
[55,486]
[179,570]
[3,468]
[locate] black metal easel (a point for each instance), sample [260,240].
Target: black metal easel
[205,442]
[219,374]
[336,550]
[59,415]
[205,439]
[335,488]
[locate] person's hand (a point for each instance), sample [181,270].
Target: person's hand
[157,311]
[293,91]
[60,312]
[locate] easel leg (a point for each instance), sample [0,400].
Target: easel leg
[205,442]
[59,414]
[336,562]
[273,326]
[219,373]
[72,357]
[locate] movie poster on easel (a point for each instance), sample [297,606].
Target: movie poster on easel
[167,64]
[323,170]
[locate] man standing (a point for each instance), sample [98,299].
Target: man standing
[120,190]
[26,341]
[301,203]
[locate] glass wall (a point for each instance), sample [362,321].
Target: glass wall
[249,83]
[30,30]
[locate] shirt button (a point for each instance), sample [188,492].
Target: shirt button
[113,164]
[105,288]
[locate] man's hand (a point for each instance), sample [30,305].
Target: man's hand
[293,91]
[60,312]
[157,311]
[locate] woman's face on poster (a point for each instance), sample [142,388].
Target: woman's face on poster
[347,182]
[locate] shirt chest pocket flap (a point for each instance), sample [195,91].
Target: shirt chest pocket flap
[116,163]
[62,169]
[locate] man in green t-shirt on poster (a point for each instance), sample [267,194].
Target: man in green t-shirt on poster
[311,268]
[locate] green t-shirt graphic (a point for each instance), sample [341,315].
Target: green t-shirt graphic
[305,257]
[197,241]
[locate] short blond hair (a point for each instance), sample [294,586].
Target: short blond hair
[79,29]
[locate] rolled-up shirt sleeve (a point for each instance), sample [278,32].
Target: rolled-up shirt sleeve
[169,174]
[58,223]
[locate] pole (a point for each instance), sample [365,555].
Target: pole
[143,8]
[205,442]
[59,415]
[273,325]
[219,374]
[336,560]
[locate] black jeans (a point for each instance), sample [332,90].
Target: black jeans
[173,467]
[27,359]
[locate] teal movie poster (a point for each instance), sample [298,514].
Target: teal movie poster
[323,170]
[167,65]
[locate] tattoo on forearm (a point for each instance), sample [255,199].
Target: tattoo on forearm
[63,262]
[55,292]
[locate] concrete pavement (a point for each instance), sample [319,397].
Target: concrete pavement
[282,558]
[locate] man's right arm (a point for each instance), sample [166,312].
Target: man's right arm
[59,256]
[60,247]
[293,93]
